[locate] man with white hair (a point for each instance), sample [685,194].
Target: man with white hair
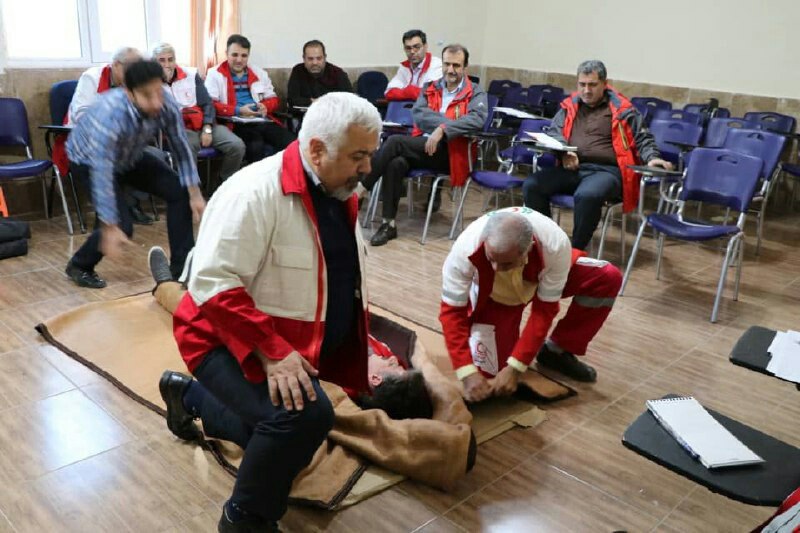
[502,262]
[277,299]
[189,90]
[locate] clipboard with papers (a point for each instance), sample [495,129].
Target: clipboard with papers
[546,142]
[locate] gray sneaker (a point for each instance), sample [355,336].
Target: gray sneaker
[159,265]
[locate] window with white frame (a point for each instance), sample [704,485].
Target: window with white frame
[80,32]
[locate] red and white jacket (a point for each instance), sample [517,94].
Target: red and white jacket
[258,277]
[468,280]
[404,85]
[92,82]
[184,90]
[219,83]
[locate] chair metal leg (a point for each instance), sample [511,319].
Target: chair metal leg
[460,211]
[623,232]
[760,225]
[606,221]
[659,252]
[632,259]
[63,199]
[434,186]
[740,253]
[723,275]
[372,205]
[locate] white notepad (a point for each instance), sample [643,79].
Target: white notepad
[700,434]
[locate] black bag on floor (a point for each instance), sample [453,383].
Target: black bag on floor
[13,230]
[13,248]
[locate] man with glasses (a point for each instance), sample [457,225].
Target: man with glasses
[419,68]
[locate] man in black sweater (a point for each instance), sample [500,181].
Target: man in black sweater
[315,77]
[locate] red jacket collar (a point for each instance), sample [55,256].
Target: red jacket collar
[426,63]
[225,69]
[179,74]
[105,79]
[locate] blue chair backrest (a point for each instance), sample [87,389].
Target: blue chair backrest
[400,112]
[371,85]
[553,94]
[522,153]
[535,96]
[721,177]
[534,125]
[60,97]
[678,114]
[14,123]
[647,104]
[516,97]
[764,144]
[676,131]
[498,87]
[717,130]
[773,121]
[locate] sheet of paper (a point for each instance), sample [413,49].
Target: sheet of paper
[389,124]
[514,112]
[250,120]
[549,142]
[785,360]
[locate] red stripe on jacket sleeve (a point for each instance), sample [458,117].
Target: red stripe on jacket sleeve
[456,328]
[409,92]
[533,336]
[242,327]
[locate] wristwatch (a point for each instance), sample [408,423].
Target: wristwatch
[207,128]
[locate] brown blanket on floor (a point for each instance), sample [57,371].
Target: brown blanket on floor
[131,344]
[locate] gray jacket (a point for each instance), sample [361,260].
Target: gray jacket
[427,119]
[642,138]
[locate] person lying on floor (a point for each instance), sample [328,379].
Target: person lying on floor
[401,400]
[395,388]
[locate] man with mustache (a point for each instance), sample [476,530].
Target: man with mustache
[315,77]
[277,300]
[446,111]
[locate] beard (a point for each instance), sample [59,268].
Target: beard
[346,191]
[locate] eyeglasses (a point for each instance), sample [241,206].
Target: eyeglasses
[415,48]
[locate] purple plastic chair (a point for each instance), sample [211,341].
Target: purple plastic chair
[774,122]
[769,147]
[516,97]
[717,130]
[207,155]
[715,176]
[678,114]
[522,154]
[14,133]
[498,88]
[703,109]
[646,105]
[552,97]
[669,131]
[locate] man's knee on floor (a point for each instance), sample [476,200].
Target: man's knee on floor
[607,279]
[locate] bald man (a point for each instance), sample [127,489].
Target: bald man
[500,264]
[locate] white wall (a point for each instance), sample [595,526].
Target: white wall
[741,46]
[357,33]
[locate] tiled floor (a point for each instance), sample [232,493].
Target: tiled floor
[77,455]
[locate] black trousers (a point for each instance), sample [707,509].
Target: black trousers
[257,137]
[151,174]
[397,156]
[591,185]
[277,443]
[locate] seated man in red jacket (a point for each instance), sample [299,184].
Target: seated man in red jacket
[609,134]
[445,112]
[502,262]
[419,68]
[246,92]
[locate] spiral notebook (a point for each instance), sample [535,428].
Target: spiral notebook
[700,434]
